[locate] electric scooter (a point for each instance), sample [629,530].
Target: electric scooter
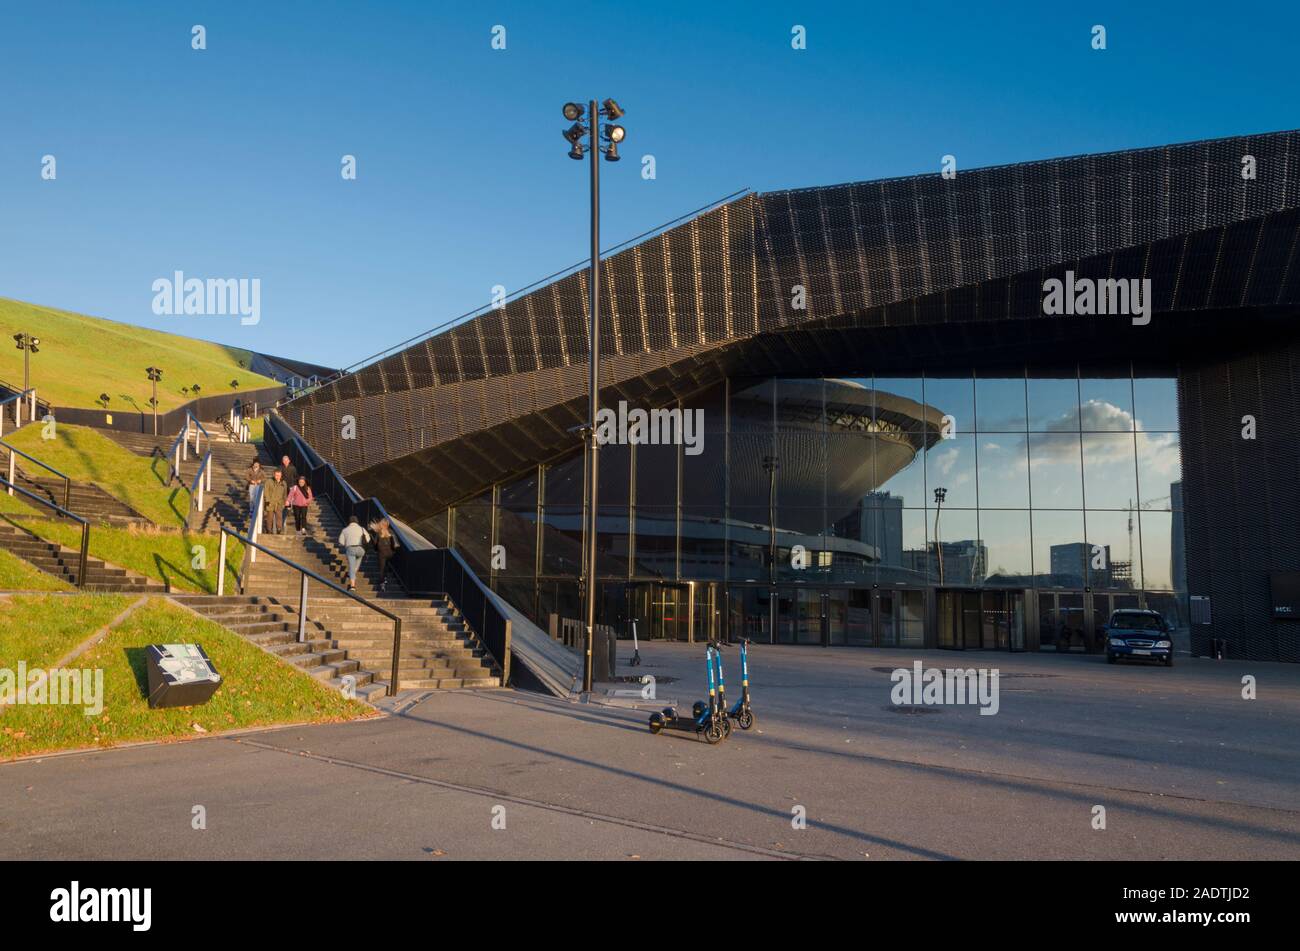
[636,649]
[709,719]
[741,712]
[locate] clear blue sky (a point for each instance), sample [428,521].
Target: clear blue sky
[225,162]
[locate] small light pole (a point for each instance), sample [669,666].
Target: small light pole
[770,465]
[939,495]
[155,375]
[28,344]
[611,134]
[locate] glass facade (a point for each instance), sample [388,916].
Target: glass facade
[833,510]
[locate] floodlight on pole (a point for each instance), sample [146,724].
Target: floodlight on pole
[574,135]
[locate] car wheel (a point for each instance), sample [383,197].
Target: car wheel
[1169,661]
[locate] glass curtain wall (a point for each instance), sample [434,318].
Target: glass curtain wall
[1049,477]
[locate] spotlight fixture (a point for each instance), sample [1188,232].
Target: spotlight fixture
[611,152]
[155,373]
[234,384]
[103,399]
[611,109]
[574,133]
[573,111]
[613,133]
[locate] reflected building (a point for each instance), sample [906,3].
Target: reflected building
[924,360]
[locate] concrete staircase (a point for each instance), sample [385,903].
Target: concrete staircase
[439,651]
[227,503]
[86,499]
[274,628]
[63,563]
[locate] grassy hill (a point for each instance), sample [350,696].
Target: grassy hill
[81,357]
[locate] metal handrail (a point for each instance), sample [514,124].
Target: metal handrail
[67,482]
[180,447]
[18,411]
[307,573]
[199,486]
[85,526]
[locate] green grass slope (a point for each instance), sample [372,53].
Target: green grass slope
[87,455]
[81,357]
[257,690]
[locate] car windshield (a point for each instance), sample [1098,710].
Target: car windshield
[1136,622]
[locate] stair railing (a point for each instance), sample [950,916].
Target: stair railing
[67,482]
[85,525]
[307,575]
[202,483]
[255,515]
[28,396]
[180,448]
[421,569]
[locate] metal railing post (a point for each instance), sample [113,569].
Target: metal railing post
[85,550]
[67,493]
[302,611]
[397,656]
[185,446]
[221,564]
[32,414]
[11,473]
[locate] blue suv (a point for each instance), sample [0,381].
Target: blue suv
[1139,635]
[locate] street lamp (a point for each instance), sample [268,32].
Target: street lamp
[612,134]
[28,345]
[939,495]
[155,375]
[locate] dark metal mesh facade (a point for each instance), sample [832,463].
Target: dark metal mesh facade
[921,271]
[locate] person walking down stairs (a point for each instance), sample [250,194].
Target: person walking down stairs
[385,545]
[275,495]
[353,541]
[300,496]
[255,477]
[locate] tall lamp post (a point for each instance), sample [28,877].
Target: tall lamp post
[28,345]
[611,134]
[939,496]
[155,375]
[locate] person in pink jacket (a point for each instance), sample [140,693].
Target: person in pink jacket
[300,496]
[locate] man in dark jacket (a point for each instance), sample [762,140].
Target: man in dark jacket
[289,472]
[274,492]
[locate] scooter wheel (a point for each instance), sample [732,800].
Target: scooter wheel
[656,723]
[726,727]
[713,733]
[746,719]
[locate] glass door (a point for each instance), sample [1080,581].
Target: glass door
[810,616]
[886,627]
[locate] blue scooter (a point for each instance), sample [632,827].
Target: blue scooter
[741,712]
[709,720]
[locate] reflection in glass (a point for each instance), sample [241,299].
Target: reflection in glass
[1156,404]
[1000,405]
[955,397]
[1109,472]
[1159,467]
[950,464]
[1055,471]
[1006,536]
[1161,549]
[1003,471]
[1053,405]
[1114,558]
[1106,404]
[1060,554]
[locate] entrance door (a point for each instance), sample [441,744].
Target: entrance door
[886,619]
[810,617]
[835,608]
